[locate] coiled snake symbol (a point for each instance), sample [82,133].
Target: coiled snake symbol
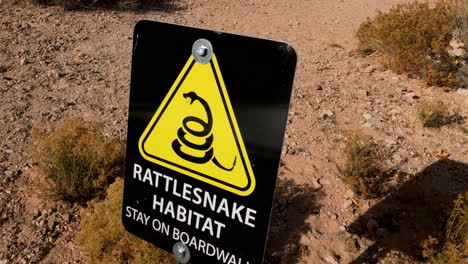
[206,147]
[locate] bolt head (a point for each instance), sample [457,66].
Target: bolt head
[202,50]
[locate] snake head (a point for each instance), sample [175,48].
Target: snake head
[192,96]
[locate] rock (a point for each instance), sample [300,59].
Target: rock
[362,65]
[457,49]
[330,260]
[367,116]
[412,95]
[53,74]
[342,228]
[325,114]
[67,218]
[369,69]
[333,216]
[51,225]
[347,204]
[349,194]
[317,86]
[390,141]
[8,173]
[23,61]
[3,261]
[368,125]
[363,93]
[316,184]
[395,111]
[323,181]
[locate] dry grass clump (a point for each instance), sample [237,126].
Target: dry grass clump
[452,245]
[363,168]
[76,159]
[413,38]
[433,114]
[104,238]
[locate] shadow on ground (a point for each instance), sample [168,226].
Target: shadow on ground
[292,206]
[415,211]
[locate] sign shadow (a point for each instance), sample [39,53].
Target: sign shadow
[293,204]
[413,212]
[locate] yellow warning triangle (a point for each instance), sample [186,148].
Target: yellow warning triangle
[194,131]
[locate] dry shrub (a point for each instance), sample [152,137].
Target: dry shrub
[433,114]
[460,11]
[77,159]
[450,246]
[363,169]
[104,238]
[412,38]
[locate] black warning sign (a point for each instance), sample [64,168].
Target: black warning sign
[206,124]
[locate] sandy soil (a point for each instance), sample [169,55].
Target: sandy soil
[56,64]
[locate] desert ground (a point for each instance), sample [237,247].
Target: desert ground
[57,64]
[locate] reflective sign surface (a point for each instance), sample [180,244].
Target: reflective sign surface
[207,117]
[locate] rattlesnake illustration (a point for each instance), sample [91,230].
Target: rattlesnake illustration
[205,147]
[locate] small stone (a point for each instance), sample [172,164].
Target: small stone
[363,93]
[318,86]
[412,95]
[342,228]
[330,260]
[23,61]
[395,111]
[349,194]
[390,141]
[53,74]
[368,125]
[333,216]
[397,157]
[362,65]
[347,204]
[8,173]
[44,212]
[369,69]
[326,113]
[323,181]
[316,184]
[67,218]
[367,116]
[51,225]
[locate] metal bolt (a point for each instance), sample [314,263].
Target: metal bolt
[202,50]
[181,253]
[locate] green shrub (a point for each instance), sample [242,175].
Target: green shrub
[412,38]
[105,240]
[363,169]
[76,159]
[433,114]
